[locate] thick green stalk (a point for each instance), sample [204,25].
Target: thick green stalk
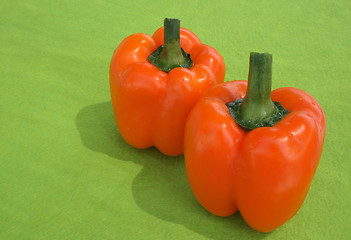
[258,109]
[171,55]
[258,104]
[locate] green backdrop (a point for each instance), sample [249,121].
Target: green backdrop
[65,171]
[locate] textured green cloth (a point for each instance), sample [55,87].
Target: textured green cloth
[66,173]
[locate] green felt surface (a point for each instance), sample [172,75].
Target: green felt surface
[66,173]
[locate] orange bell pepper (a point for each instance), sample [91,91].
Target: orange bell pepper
[238,157]
[155,81]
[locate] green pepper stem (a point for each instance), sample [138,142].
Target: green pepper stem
[257,109]
[258,103]
[171,55]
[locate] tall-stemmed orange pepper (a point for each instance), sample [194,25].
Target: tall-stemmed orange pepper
[155,81]
[245,152]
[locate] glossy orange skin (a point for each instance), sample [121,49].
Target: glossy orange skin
[264,173]
[151,106]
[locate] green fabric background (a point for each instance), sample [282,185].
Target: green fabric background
[66,173]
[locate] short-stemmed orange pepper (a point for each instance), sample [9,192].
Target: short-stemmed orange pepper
[245,152]
[155,81]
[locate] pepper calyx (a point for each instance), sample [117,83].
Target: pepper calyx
[234,110]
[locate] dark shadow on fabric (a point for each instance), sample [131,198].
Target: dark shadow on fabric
[161,188]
